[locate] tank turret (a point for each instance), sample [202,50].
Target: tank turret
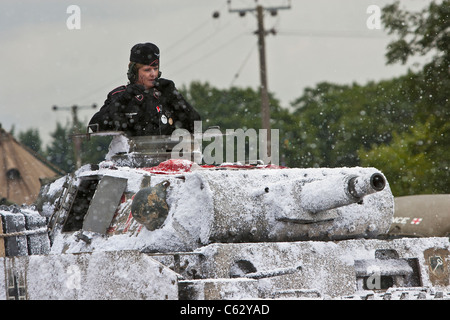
[266,205]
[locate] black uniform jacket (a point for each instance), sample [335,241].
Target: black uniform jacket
[138,112]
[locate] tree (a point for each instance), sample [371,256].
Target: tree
[31,139]
[419,33]
[238,108]
[399,126]
[60,150]
[336,120]
[228,108]
[418,159]
[95,149]
[423,33]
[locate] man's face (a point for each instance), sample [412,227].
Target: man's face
[147,76]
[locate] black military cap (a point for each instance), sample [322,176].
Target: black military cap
[145,53]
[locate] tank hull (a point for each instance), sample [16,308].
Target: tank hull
[359,269]
[180,231]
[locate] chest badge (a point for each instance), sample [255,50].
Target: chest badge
[163,119]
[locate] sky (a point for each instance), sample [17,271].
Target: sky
[52,55]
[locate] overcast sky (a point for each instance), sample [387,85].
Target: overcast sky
[44,63]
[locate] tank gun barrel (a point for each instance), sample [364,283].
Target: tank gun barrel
[336,192]
[361,186]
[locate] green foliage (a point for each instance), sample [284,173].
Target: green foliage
[367,125]
[337,119]
[94,150]
[228,108]
[31,139]
[417,161]
[418,32]
[238,108]
[399,126]
[60,151]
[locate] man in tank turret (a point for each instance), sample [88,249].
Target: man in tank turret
[149,104]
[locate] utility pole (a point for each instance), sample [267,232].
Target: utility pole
[75,130]
[261,32]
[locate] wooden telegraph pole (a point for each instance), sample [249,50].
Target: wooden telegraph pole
[261,33]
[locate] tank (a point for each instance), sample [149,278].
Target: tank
[144,225]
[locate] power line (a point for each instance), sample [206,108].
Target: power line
[191,64]
[244,63]
[328,34]
[104,86]
[198,43]
[192,32]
